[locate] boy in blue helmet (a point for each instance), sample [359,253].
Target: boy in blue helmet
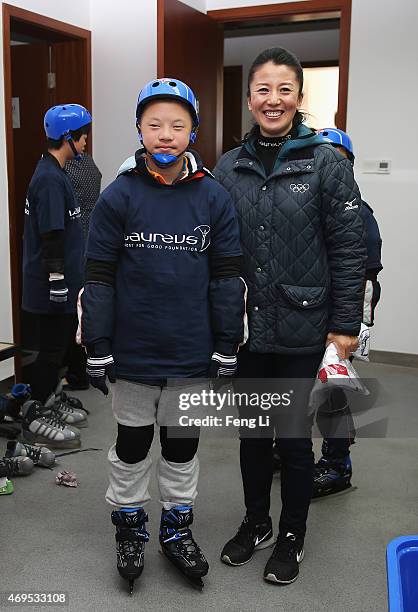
[333,470]
[163,300]
[53,261]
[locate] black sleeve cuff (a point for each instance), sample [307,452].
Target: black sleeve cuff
[101,272]
[100,349]
[345,332]
[52,249]
[225,267]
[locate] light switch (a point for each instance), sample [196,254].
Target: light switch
[377,166]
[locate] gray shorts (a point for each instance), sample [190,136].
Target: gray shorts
[136,405]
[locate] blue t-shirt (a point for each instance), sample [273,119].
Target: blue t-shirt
[374,241]
[51,205]
[162,238]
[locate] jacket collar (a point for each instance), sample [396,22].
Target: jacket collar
[304,137]
[194,168]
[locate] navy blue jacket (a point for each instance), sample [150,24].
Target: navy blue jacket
[166,312]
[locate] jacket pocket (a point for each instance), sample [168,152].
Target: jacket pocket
[302,315]
[304,297]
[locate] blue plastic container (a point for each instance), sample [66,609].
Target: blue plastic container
[402,574]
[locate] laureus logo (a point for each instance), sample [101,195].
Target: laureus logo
[185,242]
[204,230]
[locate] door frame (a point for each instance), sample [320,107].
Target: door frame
[271,11]
[68,31]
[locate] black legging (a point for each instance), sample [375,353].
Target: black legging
[56,333]
[133,444]
[296,454]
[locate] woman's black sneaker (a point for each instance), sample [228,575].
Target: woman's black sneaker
[283,565]
[250,535]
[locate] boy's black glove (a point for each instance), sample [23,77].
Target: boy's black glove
[98,368]
[222,365]
[58,291]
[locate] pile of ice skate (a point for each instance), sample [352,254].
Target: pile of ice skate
[39,428]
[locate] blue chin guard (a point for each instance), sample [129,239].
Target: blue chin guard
[163,160]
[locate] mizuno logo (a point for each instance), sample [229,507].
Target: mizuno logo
[350,206]
[299,556]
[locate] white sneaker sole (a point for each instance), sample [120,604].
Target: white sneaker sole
[273,578]
[265,544]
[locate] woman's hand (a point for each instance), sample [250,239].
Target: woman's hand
[345,344]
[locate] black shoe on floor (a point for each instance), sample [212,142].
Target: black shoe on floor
[250,536]
[283,565]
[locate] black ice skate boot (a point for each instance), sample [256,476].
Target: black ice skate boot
[331,476]
[178,545]
[131,536]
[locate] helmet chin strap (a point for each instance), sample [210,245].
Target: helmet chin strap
[70,141]
[162,160]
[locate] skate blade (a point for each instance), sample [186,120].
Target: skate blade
[196,583]
[39,441]
[349,489]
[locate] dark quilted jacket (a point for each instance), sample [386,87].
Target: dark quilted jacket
[303,242]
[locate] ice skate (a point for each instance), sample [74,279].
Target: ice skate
[47,429]
[70,400]
[131,536]
[40,455]
[178,545]
[16,466]
[331,477]
[65,412]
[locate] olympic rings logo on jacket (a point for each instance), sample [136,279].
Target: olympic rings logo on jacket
[299,188]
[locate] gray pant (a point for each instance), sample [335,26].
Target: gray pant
[138,405]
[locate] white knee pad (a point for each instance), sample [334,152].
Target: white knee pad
[177,482]
[128,482]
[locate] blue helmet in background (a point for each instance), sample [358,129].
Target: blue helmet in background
[62,119]
[174,89]
[339,138]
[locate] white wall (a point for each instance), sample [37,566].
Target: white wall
[307,46]
[124,47]
[76,13]
[383,88]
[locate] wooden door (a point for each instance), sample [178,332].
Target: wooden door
[232,108]
[31,99]
[190,48]
[68,64]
